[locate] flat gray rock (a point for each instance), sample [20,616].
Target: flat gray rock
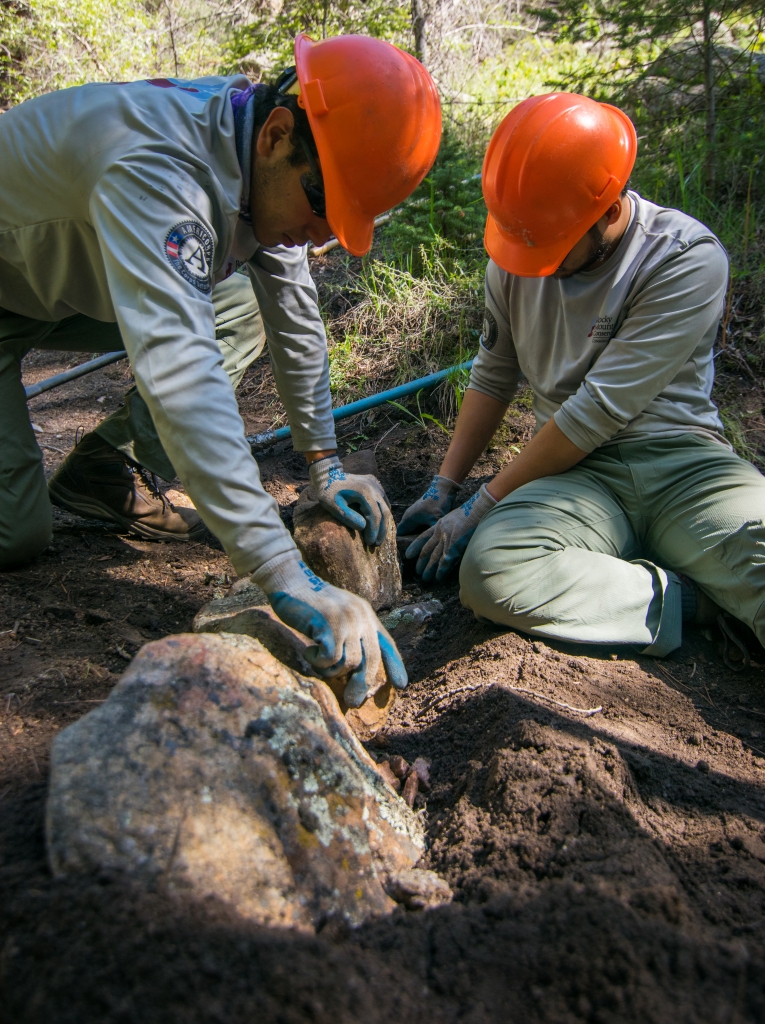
[214,770]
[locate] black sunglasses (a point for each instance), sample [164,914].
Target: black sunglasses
[313,185]
[312,182]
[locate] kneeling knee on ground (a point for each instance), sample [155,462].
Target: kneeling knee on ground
[496,588]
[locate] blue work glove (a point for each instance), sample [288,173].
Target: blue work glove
[347,634]
[355,499]
[435,503]
[443,545]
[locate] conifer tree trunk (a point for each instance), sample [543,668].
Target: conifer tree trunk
[710,100]
[419,28]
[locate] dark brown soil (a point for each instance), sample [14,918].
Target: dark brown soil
[606,868]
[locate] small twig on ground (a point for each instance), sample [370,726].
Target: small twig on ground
[34,761]
[685,686]
[519,689]
[751,711]
[78,701]
[450,693]
[385,435]
[561,704]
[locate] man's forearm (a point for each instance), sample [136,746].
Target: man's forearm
[476,425]
[548,453]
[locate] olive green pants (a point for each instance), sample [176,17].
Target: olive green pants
[588,556]
[25,512]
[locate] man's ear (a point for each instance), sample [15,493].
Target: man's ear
[274,137]
[614,212]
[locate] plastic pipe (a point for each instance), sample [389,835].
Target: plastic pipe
[269,437]
[334,242]
[74,373]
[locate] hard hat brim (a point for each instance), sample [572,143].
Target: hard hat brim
[519,259]
[375,117]
[353,229]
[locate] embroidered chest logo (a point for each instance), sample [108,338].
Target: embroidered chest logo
[602,329]
[189,250]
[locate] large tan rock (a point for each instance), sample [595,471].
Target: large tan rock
[245,610]
[339,555]
[214,770]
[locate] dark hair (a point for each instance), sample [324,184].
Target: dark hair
[267,98]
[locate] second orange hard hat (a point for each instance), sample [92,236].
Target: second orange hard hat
[553,167]
[376,120]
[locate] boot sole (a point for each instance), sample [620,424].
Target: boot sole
[91,508]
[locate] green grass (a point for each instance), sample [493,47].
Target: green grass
[406,325]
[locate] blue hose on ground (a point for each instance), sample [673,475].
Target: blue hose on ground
[74,373]
[270,437]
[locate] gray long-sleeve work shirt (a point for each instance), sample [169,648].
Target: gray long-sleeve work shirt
[620,353]
[122,202]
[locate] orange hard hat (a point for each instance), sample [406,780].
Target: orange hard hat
[553,167]
[376,120]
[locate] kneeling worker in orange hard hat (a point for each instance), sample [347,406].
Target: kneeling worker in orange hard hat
[125,213]
[628,513]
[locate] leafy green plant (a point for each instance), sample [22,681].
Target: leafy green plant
[423,418]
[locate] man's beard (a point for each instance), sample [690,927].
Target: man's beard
[599,249]
[602,249]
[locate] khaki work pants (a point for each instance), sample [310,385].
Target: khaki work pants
[588,556]
[25,512]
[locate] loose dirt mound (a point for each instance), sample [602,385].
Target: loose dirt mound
[606,868]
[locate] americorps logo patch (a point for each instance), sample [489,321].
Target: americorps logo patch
[490,330]
[189,250]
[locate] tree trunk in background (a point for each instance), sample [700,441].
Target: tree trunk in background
[419,27]
[710,98]
[324,19]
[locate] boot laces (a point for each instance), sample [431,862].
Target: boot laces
[151,483]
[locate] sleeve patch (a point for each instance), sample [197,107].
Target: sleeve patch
[490,330]
[189,250]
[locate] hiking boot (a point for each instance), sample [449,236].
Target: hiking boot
[97,481]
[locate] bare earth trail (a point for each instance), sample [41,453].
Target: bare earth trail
[606,867]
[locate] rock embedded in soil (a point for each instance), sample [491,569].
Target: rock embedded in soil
[339,555]
[418,889]
[384,769]
[213,770]
[421,768]
[245,610]
[411,788]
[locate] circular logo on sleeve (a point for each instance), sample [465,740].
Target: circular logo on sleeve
[490,330]
[189,250]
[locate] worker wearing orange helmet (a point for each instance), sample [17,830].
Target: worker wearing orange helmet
[627,514]
[125,213]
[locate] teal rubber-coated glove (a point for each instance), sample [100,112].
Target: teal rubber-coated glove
[443,545]
[432,506]
[355,499]
[347,634]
